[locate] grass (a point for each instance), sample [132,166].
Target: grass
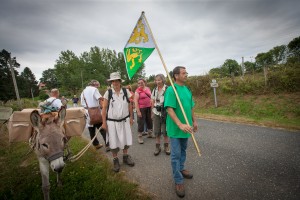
[270,110]
[90,177]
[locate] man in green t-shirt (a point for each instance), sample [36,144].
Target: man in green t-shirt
[177,128]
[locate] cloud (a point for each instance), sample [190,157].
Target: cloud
[198,34]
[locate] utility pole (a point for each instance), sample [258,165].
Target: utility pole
[12,64]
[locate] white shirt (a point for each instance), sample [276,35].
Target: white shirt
[92,96]
[56,103]
[118,106]
[158,97]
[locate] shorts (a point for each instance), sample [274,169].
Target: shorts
[159,126]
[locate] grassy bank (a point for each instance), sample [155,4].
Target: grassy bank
[273,110]
[88,178]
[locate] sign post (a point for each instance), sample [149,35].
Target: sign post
[214,85]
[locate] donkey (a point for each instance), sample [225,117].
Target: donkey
[49,143]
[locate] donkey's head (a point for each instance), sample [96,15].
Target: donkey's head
[50,140]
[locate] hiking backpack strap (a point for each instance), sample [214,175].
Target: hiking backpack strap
[125,95]
[108,100]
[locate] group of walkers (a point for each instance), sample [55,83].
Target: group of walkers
[157,111]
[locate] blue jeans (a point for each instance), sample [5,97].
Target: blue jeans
[178,157]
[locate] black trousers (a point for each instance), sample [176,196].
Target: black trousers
[92,131]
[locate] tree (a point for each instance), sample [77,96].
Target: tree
[294,50]
[279,54]
[231,67]
[250,67]
[6,81]
[50,79]
[151,78]
[27,84]
[67,70]
[217,72]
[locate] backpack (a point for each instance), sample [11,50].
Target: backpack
[46,107]
[110,97]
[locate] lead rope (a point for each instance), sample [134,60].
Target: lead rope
[76,157]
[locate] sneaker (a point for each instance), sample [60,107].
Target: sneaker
[186,174]
[116,165]
[98,146]
[107,149]
[179,188]
[128,160]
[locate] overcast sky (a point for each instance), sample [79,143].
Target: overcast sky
[197,34]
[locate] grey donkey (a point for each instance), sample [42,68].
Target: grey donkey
[49,142]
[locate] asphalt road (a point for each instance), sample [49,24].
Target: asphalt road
[237,162]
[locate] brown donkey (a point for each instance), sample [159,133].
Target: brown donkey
[49,143]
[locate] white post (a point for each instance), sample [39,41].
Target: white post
[214,85]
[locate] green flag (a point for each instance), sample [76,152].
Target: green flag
[139,47]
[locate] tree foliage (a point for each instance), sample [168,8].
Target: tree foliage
[6,82]
[72,73]
[27,84]
[294,50]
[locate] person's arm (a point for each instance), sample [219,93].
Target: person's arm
[101,102]
[130,113]
[184,127]
[104,113]
[136,102]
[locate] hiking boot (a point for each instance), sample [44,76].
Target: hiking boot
[116,164]
[128,160]
[167,148]
[150,135]
[157,149]
[98,146]
[140,138]
[179,188]
[107,149]
[186,174]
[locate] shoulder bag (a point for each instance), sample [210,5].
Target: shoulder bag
[94,113]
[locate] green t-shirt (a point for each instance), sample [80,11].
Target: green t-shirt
[187,102]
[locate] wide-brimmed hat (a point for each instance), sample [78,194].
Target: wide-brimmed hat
[115,76]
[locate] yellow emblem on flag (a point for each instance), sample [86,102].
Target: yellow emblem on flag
[139,47]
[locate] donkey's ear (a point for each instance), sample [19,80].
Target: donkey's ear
[62,114]
[35,118]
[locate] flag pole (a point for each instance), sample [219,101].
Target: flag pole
[170,79]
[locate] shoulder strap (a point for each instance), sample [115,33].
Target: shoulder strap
[52,101]
[85,100]
[125,94]
[108,100]
[154,90]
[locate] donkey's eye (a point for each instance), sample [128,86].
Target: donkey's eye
[45,145]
